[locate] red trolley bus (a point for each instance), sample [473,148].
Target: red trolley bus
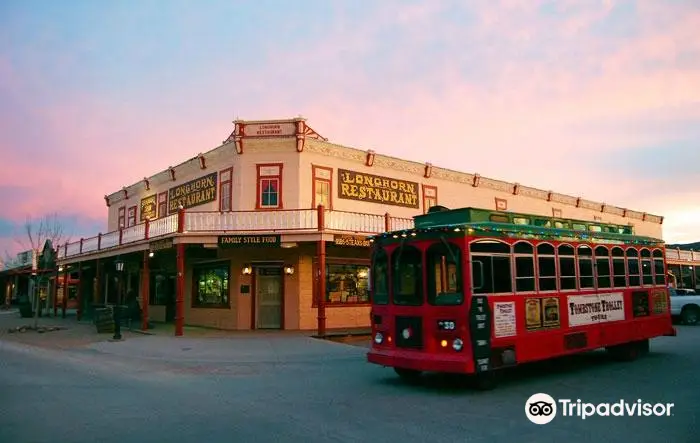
[473,291]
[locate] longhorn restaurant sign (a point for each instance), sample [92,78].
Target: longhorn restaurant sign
[376,189]
[195,192]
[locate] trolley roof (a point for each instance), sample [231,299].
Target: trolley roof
[483,222]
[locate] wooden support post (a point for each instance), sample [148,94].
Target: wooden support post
[180,290]
[145,290]
[321,252]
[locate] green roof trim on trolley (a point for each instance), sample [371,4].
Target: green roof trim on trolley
[483,222]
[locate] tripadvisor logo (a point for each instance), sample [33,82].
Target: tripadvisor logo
[542,408]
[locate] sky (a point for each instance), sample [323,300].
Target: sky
[598,99]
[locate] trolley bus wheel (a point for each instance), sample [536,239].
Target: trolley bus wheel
[626,352]
[486,381]
[409,375]
[644,347]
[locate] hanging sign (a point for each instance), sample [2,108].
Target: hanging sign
[237,241]
[351,240]
[148,208]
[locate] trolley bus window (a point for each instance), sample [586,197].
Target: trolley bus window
[407,270]
[444,274]
[659,270]
[493,258]
[547,267]
[647,271]
[567,268]
[602,265]
[618,262]
[379,276]
[585,267]
[633,266]
[524,267]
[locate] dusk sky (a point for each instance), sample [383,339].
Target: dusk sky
[598,99]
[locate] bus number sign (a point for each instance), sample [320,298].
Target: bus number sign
[446,325]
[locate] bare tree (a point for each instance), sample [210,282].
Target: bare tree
[37,232]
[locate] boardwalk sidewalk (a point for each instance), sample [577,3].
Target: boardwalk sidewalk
[199,345]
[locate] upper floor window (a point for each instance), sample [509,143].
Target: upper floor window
[430,197]
[225,188]
[162,204]
[122,217]
[131,216]
[322,185]
[269,186]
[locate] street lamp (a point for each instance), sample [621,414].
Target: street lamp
[119,266]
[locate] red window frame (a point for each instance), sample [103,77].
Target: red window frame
[321,174]
[263,175]
[121,217]
[163,204]
[426,198]
[131,216]
[226,181]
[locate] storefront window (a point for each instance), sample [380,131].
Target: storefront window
[347,283]
[211,286]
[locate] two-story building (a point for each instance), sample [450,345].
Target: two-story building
[248,235]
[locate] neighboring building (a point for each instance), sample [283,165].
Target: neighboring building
[235,234]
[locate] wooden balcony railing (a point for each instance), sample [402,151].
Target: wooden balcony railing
[288,220]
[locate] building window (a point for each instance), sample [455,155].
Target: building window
[430,197]
[269,186]
[122,217]
[211,285]
[131,218]
[225,188]
[162,204]
[321,186]
[346,283]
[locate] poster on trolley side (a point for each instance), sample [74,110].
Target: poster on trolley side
[595,308]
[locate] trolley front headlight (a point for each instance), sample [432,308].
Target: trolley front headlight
[378,338]
[457,344]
